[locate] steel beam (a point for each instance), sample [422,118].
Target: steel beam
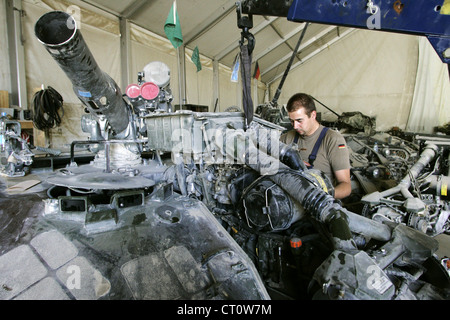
[312,54]
[303,46]
[14,14]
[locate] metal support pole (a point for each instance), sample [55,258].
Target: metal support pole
[181,76]
[14,14]
[125,55]
[216,86]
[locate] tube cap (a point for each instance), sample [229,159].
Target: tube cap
[133,91]
[296,242]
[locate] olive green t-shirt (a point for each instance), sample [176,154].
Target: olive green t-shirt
[333,154]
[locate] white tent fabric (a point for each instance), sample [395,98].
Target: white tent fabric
[102,35]
[431,102]
[368,71]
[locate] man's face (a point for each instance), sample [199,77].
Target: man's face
[302,123]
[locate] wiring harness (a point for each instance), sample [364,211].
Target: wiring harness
[46,105]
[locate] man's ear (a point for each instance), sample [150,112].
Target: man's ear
[313,115]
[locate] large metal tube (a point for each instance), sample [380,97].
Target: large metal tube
[426,156]
[58,32]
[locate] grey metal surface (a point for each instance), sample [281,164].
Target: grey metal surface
[92,178]
[142,257]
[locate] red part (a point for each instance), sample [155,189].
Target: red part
[149,91]
[296,242]
[133,91]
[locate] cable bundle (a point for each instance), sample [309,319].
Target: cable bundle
[46,104]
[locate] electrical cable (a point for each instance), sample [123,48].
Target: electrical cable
[46,106]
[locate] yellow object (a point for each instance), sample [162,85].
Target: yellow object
[444,190]
[445,8]
[321,181]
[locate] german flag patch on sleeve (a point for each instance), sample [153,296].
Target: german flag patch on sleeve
[341,146]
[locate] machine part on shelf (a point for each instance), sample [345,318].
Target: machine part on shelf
[15,154]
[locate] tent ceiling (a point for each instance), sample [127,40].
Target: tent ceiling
[212,26]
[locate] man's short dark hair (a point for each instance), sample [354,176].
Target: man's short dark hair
[300,100]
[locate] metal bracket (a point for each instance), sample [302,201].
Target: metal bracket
[245,23]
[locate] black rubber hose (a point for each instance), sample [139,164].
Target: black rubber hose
[47,104]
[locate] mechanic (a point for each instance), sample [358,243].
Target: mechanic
[325,149]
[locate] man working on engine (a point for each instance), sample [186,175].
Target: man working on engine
[325,149]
